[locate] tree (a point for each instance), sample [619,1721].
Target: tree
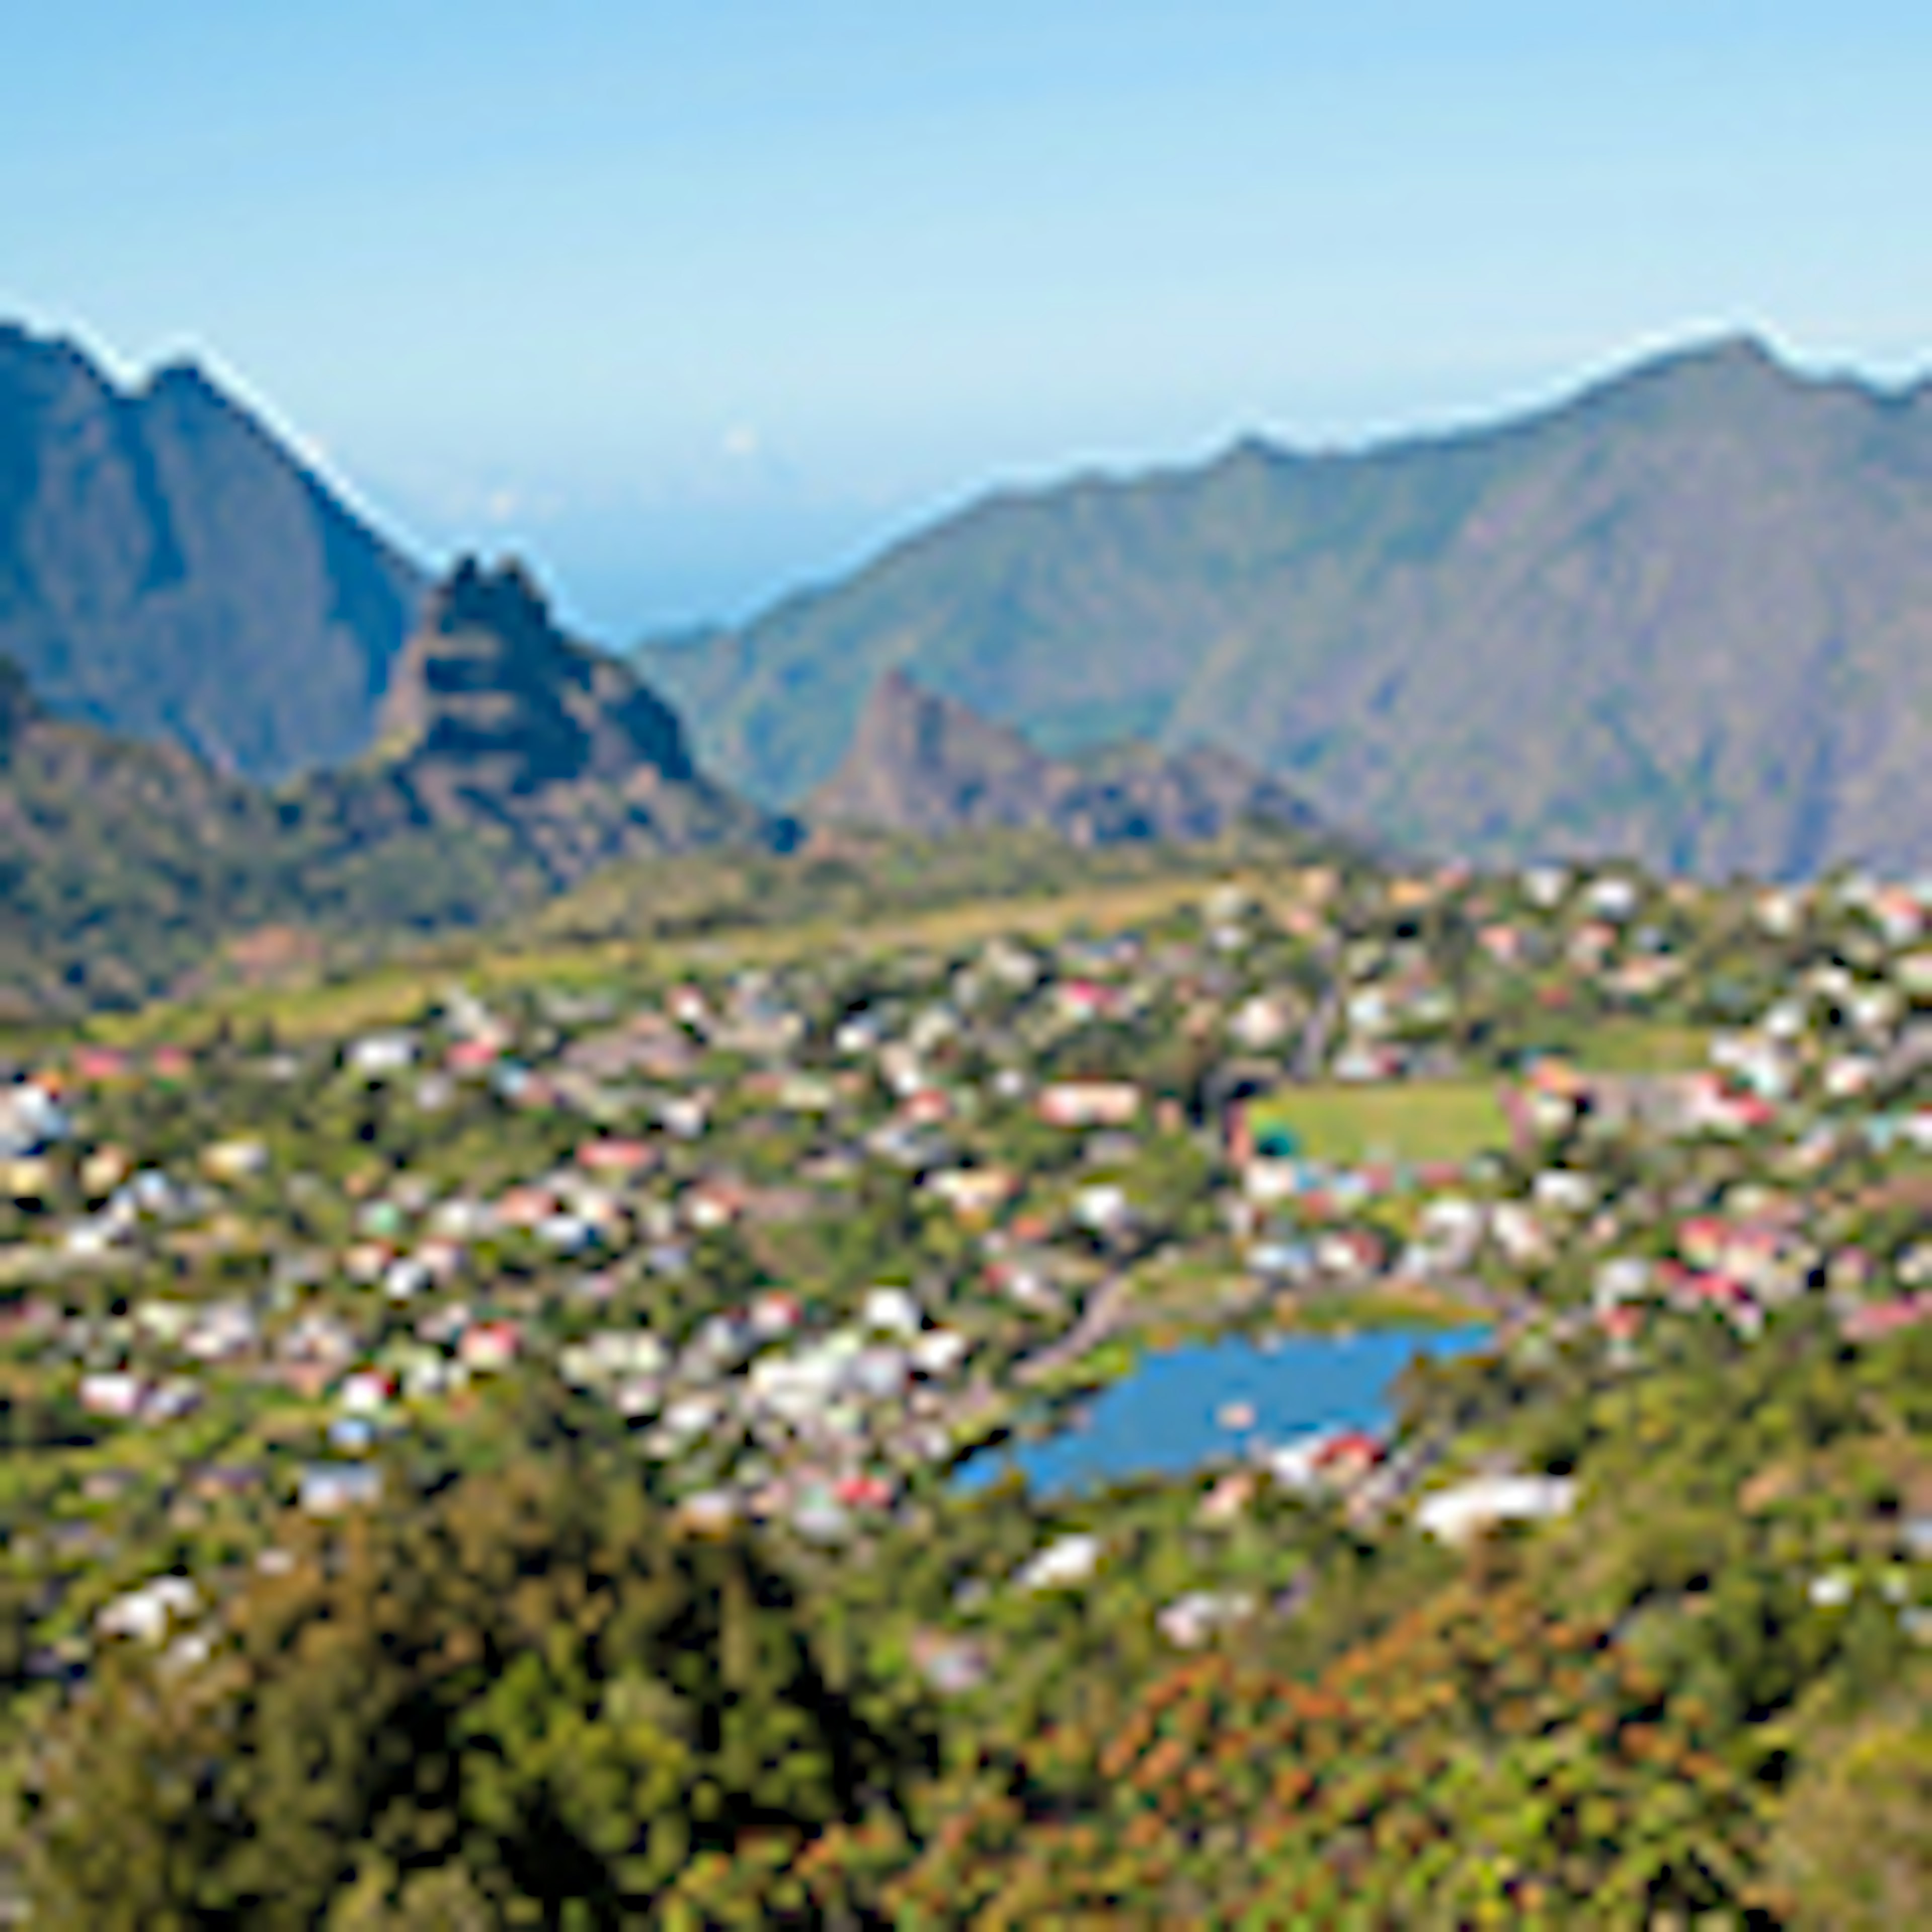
[530,1691]
[1852,1849]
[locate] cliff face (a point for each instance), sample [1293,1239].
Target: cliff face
[489,694]
[169,570]
[494,719]
[927,765]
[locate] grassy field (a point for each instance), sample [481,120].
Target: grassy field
[386,994]
[1421,1120]
[1636,1046]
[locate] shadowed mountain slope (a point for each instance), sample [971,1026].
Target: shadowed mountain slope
[515,763]
[124,864]
[1686,616]
[169,570]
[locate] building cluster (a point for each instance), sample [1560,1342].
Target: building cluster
[809,1232]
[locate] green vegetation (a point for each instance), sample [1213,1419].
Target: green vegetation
[482,1445]
[1441,643]
[690,911]
[1422,1120]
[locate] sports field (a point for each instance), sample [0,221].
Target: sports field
[1419,1120]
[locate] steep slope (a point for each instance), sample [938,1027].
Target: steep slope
[168,570]
[495,721]
[124,865]
[1687,615]
[514,764]
[921,763]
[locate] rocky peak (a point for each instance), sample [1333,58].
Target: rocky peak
[489,690]
[920,762]
[924,764]
[495,721]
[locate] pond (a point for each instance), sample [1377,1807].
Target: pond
[1208,1401]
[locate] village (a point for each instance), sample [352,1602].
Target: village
[812,1234]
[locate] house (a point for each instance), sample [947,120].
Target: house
[1063,1565]
[376,1055]
[974,1193]
[365,1392]
[144,1614]
[1454,1515]
[328,1489]
[1503,943]
[713,1203]
[1190,1620]
[1102,1207]
[234,1160]
[775,1314]
[489,1346]
[1082,999]
[477,1056]
[102,1171]
[1261,1021]
[926,1107]
[951,1665]
[525,1206]
[112,1393]
[30,1118]
[1876,1319]
[98,1065]
[687,1006]
[616,1158]
[1089,1103]
[1345,1458]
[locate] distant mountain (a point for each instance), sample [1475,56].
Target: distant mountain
[1686,616]
[514,763]
[169,570]
[925,764]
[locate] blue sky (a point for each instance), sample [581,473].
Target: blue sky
[692,302]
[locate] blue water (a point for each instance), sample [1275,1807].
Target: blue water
[1165,1418]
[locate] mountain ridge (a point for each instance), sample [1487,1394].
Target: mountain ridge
[170,570]
[1685,613]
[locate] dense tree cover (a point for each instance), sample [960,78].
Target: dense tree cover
[1480,1759]
[532,1696]
[530,1691]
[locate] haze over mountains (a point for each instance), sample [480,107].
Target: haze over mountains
[1686,616]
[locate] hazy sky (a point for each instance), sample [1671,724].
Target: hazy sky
[692,301]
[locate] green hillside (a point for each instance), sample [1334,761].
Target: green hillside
[1686,616]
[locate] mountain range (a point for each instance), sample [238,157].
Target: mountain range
[1686,615]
